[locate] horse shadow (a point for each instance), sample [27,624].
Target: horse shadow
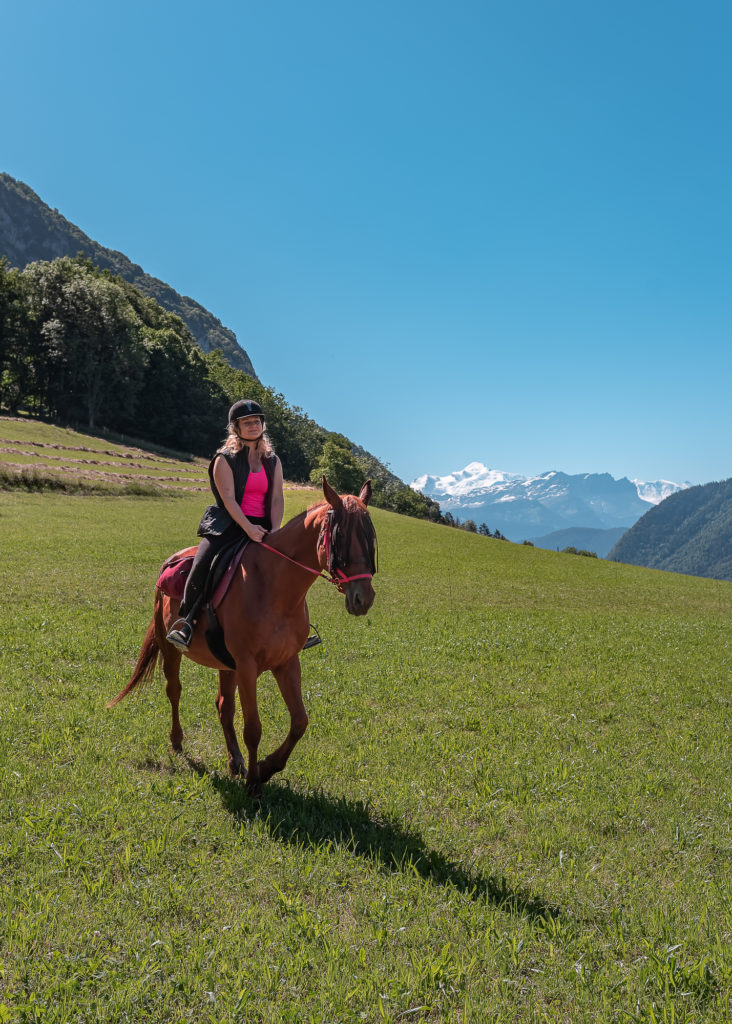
[319,821]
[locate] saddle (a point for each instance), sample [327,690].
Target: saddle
[176,568]
[172,581]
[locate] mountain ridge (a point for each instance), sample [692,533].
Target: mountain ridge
[689,532]
[523,506]
[30,231]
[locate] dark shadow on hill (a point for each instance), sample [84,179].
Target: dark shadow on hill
[320,821]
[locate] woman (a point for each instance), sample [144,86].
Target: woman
[246,480]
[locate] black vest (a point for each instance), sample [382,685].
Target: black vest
[216,520]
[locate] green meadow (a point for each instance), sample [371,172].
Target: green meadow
[512,802]
[42,456]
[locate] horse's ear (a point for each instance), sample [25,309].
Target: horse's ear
[331,496]
[365,495]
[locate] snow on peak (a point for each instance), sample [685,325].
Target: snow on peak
[654,492]
[473,479]
[477,479]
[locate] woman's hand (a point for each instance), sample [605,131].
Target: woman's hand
[256,532]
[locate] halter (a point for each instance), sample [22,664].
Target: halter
[334,536]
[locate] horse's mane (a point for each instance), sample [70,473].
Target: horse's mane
[350,503]
[314,514]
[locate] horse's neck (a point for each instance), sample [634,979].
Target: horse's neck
[298,541]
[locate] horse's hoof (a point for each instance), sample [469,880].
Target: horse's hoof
[266,771]
[254,786]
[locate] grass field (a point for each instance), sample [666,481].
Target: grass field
[41,456]
[512,803]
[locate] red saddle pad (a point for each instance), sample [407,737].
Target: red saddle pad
[175,571]
[173,575]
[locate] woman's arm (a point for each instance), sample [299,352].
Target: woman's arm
[278,497]
[224,480]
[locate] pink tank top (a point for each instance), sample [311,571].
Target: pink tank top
[252,504]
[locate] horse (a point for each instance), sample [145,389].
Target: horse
[265,621]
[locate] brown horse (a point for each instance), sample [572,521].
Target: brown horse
[265,620]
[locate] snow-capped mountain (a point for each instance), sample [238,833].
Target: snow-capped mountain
[654,493]
[523,506]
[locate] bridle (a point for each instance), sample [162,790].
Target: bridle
[335,541]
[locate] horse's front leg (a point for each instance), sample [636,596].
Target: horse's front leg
[226,705]
[288,680]
[246,679]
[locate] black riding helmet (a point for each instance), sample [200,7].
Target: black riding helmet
[245,407]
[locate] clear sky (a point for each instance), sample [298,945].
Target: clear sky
[453,231]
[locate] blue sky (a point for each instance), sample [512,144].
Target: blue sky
[454,232]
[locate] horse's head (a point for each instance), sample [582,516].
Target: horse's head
[348,546]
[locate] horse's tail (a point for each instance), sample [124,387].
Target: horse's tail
[145,667]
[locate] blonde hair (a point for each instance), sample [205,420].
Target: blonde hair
[233,443]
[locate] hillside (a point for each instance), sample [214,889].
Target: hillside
[689,532]
[43,457]
[31,231]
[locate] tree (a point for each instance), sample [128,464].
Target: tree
[340,467]
[179,404]
[16,373]
[86,351]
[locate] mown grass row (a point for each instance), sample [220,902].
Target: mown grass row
[29,430]
[36,456]
[512,803]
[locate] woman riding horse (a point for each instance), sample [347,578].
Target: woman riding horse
[334,538]
[246,481]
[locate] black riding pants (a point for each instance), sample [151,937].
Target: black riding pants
[208,547]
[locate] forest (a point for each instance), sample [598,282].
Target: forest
[83,347]
[689,532]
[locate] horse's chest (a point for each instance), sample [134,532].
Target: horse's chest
[273,640]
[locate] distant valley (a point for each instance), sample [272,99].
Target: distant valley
[543,508]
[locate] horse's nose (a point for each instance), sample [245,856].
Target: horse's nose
[359,598]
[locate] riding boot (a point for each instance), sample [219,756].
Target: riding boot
[181,632]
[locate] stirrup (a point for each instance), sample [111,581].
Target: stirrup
[312,641]
[180,634]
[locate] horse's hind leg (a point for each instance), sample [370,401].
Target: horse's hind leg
[226,705]
[288,680]
[171,670]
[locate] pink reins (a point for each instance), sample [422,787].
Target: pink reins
[334,575]
[339,582]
